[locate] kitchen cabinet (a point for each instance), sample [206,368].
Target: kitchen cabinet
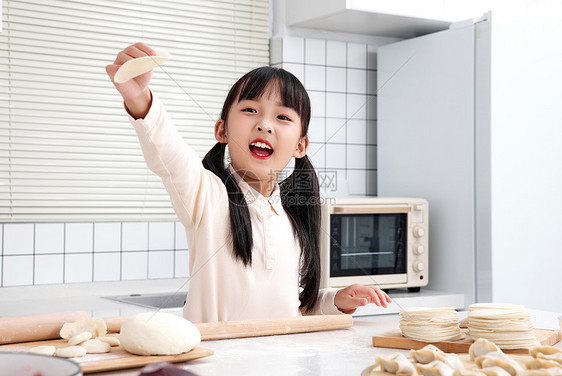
[468,119]
[398,19]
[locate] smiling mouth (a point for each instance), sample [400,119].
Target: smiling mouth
[261,149]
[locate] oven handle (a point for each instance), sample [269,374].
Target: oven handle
[372,209]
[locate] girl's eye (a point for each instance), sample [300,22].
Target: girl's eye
[249,109]
[283,117]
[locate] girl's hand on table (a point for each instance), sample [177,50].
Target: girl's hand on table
[348,299]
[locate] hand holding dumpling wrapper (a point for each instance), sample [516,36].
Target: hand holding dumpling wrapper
[135,67]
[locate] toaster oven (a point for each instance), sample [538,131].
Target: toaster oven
[375,241]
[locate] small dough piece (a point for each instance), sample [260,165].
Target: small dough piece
[112,341]
[97,327]
[135,67]
[95,346]
[70,352]
[43,350]
[158,333]
[79,338]
[397,364]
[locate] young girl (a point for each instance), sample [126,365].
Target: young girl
[254,244]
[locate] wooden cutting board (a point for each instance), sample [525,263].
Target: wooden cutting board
[116,359]
[395,339]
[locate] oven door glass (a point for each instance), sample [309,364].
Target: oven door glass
[368,244]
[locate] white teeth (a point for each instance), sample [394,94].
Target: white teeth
[260,145]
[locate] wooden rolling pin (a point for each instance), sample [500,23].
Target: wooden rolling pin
[42,327]
[259,327]
[35,327]
[268,327]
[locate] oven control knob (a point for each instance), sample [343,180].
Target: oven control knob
[419,249]
[419,232]
[418,266]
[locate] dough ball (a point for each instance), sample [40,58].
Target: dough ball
[95,346]
[79,338]
[112,341]
[158,333]
[43,350]
[70,352]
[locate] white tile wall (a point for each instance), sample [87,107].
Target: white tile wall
[336,53]
[18,239]
[341,80]
[161,264]
[135,236]
[17,270]
[180,237]
[49,238]
[78,267]
[161,236]
[107,266]
[49,269]
[107,237]
[134,265]
[181,264]
[52,253]
[79,237]
[315,51]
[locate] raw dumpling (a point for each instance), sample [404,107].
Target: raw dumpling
[546,350]
[435,368]
[542,363]
[426,355]
[468,372]
[482,347]
[556,357]
[397,364]
[554,371]
[508,364]
[495,371]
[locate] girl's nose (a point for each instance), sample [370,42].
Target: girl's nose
[264,127]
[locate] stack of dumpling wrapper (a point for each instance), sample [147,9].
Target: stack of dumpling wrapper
[509,326]
[430,324]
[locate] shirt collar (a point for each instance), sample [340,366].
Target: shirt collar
[251,195]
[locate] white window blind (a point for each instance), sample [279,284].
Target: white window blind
[67,151]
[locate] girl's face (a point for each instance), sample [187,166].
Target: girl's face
[262,136]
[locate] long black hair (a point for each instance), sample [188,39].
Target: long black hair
[299,192]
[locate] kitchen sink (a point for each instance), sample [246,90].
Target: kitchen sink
[158,301]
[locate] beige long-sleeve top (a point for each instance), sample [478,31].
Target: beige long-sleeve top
[222,288]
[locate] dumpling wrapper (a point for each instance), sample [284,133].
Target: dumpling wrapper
[135,67]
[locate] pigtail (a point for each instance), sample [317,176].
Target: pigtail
[240,223]
[301,200]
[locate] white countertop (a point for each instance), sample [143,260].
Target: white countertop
[339,352]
